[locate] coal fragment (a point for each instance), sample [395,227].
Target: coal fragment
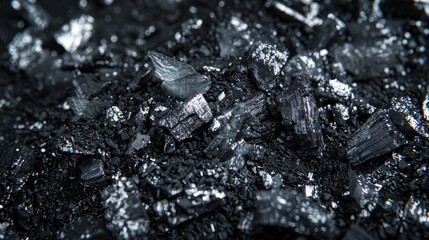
[114,114]
[178,79]
[408,118]
[92,173]
[290,211]
[85,108]
[76,33]
[308,63]
[196,203]
[86,86]
[379,135]
[124,211]
[365,192]
[88,227]
[370,59]
[300,115]
[169,144]
[187,118]
[264,63]
[233,37]
[335,89]
[141,141]
[330,30]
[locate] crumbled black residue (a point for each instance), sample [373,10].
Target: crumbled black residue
[228,119]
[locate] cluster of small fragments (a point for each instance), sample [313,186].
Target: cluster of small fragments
[234,145]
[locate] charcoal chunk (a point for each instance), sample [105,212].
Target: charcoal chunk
[141,141]
[301,116]
[114,114]
[255,107]
[378,136]
[365,192]
[246,223]
[308,63]
[89,228]
[370,59]
[264,63]
[335,89]
[290,211]
[86,86]
[169,144]
[15,159]
[124,211]
[92,173]
[86,108]
[330,30]
[408,118]
[187,118]
[196,203]
[76,33]
[233,37]
[178,79]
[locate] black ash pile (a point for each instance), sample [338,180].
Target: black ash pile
[214,119]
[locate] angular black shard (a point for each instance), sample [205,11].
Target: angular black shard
[141,141]
[356,232]
[308,63]
[233,37]
[196,203]
[15,159]
[255,107]
[289,211]
[86,85]
[365,192]
[76,33]
[264,63]
[85,108]
[408,118]
[178,79]
[88,228]
[330,30]
[32,12]
[92,173]
[124,211]
[371,59]
[300,115]
[169,144]
[378,136]
[187,118]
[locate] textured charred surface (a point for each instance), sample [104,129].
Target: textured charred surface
[223,119]
[300,114]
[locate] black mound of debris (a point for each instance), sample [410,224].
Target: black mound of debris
[226,119]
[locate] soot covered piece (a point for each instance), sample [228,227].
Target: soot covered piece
[187,118]
[300,115]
